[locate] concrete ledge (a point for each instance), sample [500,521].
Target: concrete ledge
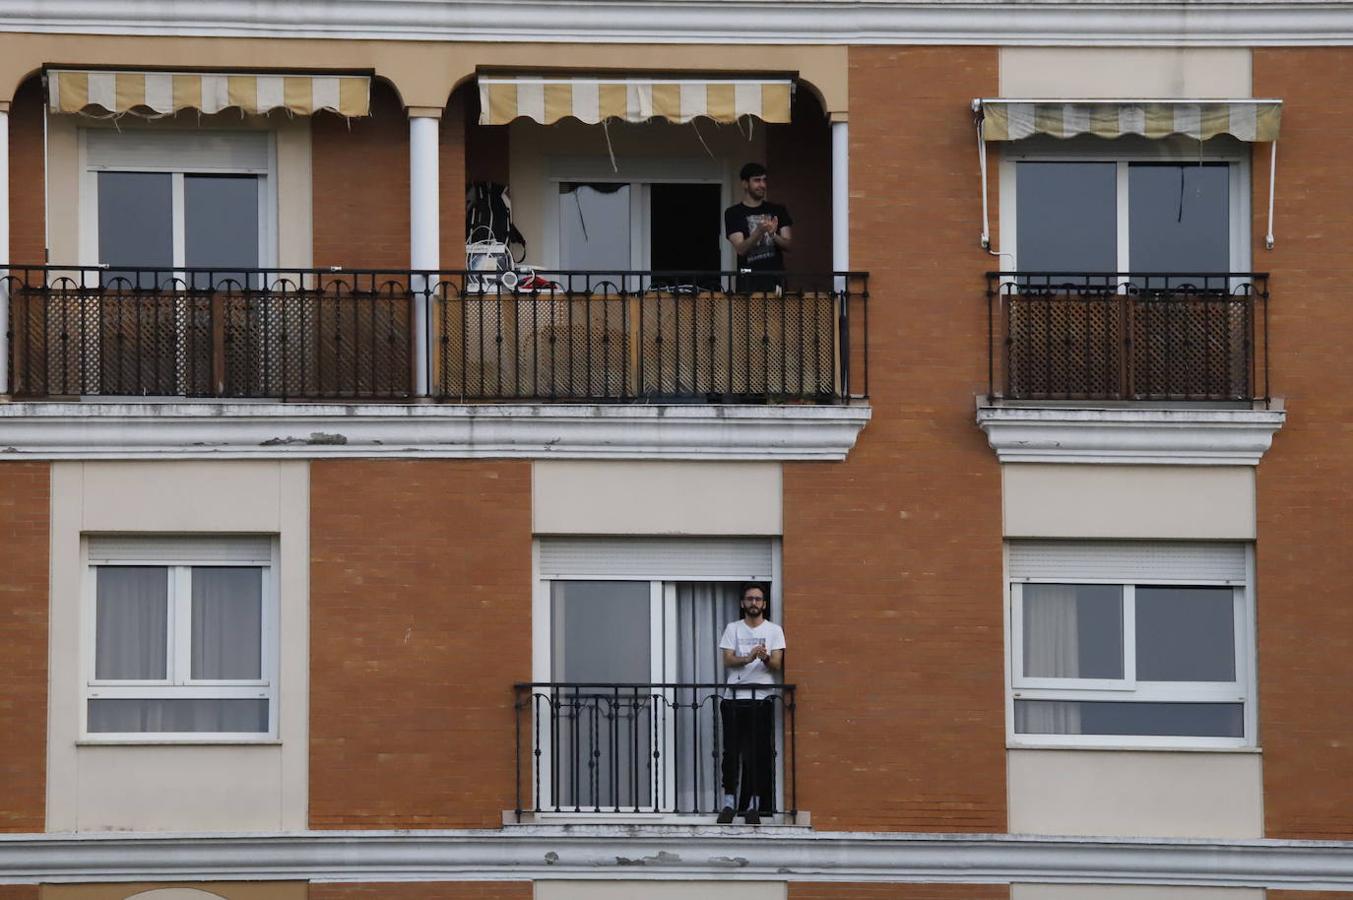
[1129,435]
[141,430]
[674,853]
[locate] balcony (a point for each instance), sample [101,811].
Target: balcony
[636,749]
[1128,336]
[337,335]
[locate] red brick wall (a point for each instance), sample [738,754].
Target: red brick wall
[24,526]
[27,214]
[420,599]
[19,892]
[812,891]
[1305,483]
[892,561]
[1308,895]
[465,890]
[452,177]
[361,185]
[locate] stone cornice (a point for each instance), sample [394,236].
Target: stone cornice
[315,431]
[1129,435]
[674,852]
[1032,22]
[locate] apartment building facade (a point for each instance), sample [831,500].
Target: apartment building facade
[341,565]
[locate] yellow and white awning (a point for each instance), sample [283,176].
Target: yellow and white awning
[1246,120]
[165,93]
[547,100]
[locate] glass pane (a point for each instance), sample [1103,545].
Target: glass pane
[1073,631]
[1186,634]
[1165,719]
[1066,216]
[601,737]
[221,228]
[594,226]
[131,630]
[227,622]
[1180,218]
[136,224]
[196,715]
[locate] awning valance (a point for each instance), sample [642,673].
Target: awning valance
[547,100]
[165,93]
[1246,120]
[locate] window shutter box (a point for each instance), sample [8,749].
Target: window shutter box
[1126,561]
[667,559]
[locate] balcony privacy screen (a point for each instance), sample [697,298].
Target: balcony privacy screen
[165,93]
[594,100]
[1011,120]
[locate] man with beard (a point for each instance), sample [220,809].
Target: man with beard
[753,651]
[759,232]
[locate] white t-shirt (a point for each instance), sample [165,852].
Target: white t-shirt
[740,638]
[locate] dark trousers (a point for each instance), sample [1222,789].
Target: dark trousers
[749,752]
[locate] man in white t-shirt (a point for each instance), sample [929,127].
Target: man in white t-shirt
[753,651]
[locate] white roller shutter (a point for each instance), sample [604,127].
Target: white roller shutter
[225,548]
[1127,561]
[178,151]
[657,558]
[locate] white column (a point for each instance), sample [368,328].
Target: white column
[840,199]
[4,248]
[424,227]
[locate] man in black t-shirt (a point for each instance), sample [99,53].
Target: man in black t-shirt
[759,231]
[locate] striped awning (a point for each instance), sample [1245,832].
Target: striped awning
[165,93]
[1246,120]
[547,100]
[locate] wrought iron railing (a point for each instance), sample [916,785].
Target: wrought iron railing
[641,748]
[1128,336]
[354,335]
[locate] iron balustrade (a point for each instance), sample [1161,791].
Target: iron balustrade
[1128,336]
[331,334]
[639,748]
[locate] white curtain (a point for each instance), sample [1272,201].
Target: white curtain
[227,631]
[172,715]
[1051,650]
[703,610]
[131,633]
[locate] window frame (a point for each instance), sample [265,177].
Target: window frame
[162,160]
[178,683]
[1129,689]
[1124,152]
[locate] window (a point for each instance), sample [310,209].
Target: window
[1130,644]
[646,613]
[181,639]
[1166,206]
[180,199]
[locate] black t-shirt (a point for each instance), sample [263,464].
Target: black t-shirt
[766,256]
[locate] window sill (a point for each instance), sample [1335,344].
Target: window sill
[1133,748]
[179,742]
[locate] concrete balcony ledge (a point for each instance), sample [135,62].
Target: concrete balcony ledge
[1178,435]
[264,430]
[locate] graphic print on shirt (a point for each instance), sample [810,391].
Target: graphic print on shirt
[764,248]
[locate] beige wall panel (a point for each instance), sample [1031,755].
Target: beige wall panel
[1121,72]
[424,72]
[294,204]
[657,890]
[162,787]
[1128,892]
[1123,793]
[271,890]
[1157,502]
[63,191]
[586,497]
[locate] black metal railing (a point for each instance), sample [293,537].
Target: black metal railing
[352,335]
[640,748]
[1128,336]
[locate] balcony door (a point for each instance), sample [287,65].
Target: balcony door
[154,205]
[631,722]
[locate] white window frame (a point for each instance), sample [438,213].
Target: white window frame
[1129,688]
[164,160]
[1124,151]
[178,683]
[640,174]
[662,647]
